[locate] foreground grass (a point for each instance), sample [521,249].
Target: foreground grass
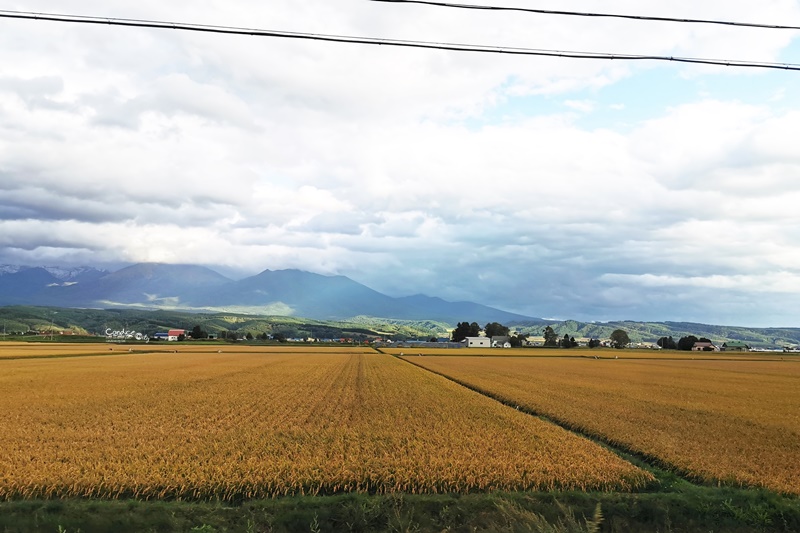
[688,509]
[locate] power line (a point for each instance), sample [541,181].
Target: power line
[589,14]
[229,30]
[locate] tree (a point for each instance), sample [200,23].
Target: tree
[565,341]
[198,333]
[461,332]
[516,341]
[668,343]
[495,329]
[550,337]
[249,336]
[619,338]
[433,339]
[280,337]
[686,343]
[181,337]
[464,330]
[594,343]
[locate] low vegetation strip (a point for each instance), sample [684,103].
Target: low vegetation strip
[730,422]
[592,353]
[229,427]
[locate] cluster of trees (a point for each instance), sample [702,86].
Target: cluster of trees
[684,343]
[568,342]
[464,330]
[619,338]
[551,339]
[198,333]
[492,329]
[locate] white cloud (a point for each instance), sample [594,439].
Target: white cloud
[584,106]
[386,164]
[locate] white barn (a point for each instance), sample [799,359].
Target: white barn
[478,342]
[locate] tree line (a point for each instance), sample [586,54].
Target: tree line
[684,343]
[619,338]
[492,329]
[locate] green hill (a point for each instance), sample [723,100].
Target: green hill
[22,320]
[652,331]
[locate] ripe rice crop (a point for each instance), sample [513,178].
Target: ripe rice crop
[734,422]
[45,349]
[237,426]
[49,349]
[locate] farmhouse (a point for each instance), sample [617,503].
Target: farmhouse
[704,347]
[478,342]
[735,346]
[501,342]
[171,335]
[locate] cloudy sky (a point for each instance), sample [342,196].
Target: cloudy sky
[585,189]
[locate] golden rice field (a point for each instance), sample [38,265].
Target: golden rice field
[736,422]
[244,425]
[46,349]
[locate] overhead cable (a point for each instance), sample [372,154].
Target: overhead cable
[590,14]
[104,21]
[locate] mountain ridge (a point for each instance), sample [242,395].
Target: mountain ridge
[195,288]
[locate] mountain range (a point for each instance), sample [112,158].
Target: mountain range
[197,288]
[294,300]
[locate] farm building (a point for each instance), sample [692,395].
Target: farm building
[478,342]
[704,347]
[501,342]
[173,334]
[735,346]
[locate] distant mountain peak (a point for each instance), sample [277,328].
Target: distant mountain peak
[59,272]
[68,274]
[195,287]
[11,269]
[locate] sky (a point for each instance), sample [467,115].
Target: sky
[551,187]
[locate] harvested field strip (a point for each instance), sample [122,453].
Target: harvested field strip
[732,422]
[240,426]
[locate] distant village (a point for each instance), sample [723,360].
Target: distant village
[496,341]
[481,340]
